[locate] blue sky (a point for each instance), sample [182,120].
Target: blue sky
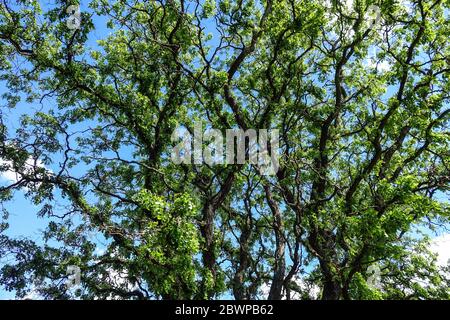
[23,219]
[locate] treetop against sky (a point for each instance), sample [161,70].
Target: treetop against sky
[115,115]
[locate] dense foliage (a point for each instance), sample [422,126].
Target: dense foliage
[361,101]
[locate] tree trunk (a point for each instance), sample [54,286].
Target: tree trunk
[331,290]
[280,260]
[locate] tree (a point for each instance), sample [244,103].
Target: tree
[359,92]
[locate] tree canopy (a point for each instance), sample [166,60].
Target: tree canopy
[358,90]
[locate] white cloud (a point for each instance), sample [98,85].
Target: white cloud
[10,176]
[373,62]
[312,290]
[441,246]
[381,66]
[407,6]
